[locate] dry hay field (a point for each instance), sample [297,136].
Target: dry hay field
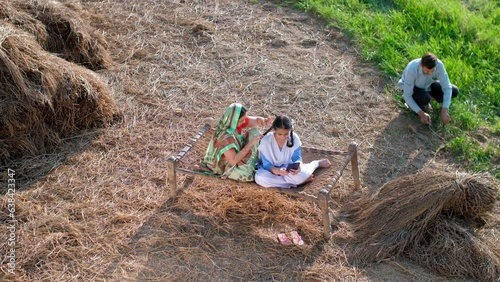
[97,94]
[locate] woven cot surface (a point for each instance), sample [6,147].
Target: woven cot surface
[322,177]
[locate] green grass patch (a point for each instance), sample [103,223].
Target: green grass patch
[465,35]
[475,156]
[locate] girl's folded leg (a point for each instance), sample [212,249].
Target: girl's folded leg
[306,172]
[300,177]
[265,178]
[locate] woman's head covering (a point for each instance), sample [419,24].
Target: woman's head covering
[229,120]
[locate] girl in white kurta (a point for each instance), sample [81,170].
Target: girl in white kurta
[279,147]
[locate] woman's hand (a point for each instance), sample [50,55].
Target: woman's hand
[245,150]
[255,140]
[268,121]
[258,121]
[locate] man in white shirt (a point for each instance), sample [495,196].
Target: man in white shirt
[422,79]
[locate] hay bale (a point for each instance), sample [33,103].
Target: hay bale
[19,18]
[476,195]
[406,211]
[399,213]
[44,98]
[452,250]
[68,35]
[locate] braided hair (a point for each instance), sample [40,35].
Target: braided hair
[283,122]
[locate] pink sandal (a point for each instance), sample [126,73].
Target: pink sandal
[296,239]
[284,240]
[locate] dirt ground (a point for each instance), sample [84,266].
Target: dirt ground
[98,208]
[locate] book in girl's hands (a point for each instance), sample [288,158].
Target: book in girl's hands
[293,166]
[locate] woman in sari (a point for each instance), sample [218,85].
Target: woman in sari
[279,148]
[232,151]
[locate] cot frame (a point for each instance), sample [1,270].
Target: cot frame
[322,199]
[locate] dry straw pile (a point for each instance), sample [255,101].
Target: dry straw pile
[44,97]
[430,217]
[59,29]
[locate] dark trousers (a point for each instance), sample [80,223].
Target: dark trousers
[423,97]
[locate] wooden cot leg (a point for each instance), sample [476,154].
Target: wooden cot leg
[171,176]
[353,151]
[325,215]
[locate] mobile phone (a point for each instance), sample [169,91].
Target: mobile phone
[292,166]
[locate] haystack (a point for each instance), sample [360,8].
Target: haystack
[23,20]
[420,213]
[44,97]
[64,32]
[451,249]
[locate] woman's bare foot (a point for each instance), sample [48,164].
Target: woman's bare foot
[324,163]
[201,167]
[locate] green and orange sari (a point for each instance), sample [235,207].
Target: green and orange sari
[225,138]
